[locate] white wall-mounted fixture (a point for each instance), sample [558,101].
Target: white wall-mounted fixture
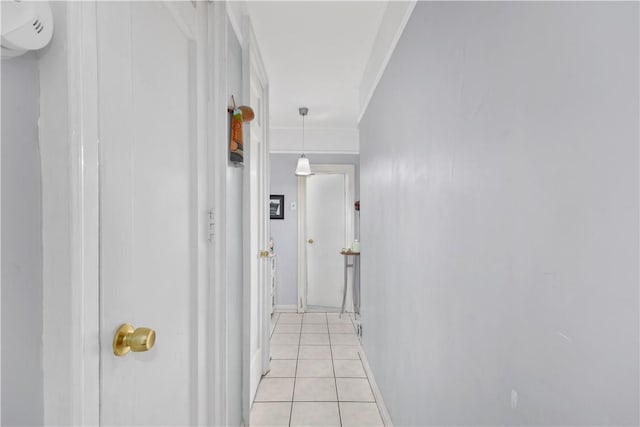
[303,168]
[25,26]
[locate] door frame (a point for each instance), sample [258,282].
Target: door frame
[348,170]
[69,141]
[252,62]
[218,153]
[70,189]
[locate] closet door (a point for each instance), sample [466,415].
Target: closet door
[149,245]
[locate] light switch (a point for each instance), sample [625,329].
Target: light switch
[293,206]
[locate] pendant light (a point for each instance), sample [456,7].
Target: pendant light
[303,168]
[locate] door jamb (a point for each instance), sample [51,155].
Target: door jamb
[252,58]
[323,169]
[70,233]
[302,244]
[218,155]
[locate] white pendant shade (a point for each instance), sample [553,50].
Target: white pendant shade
[303,168]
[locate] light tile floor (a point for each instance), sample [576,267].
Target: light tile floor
[316,377]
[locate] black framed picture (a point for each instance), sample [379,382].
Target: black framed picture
[276,206]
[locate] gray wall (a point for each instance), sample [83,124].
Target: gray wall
[234,246]
[285,232]
[22,388]
[499,170]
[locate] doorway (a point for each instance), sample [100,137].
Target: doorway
[325,221]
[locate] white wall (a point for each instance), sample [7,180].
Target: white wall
[22,388]
[285,232]
[499,170]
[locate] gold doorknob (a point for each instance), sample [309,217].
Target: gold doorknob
[310,241]
[128,338]
[264,254]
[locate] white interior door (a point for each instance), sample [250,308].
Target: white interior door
[329,225]
[149,216]
[256,239]
[257,179]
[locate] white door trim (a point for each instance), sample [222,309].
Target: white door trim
[205,281]
[218,159]
[69,144]
[349,172]
[252,62]
[302,244]
[70,169]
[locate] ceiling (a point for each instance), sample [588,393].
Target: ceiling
[315,54]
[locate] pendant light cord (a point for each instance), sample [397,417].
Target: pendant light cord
[303,112]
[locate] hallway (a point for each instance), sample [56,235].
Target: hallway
[154,216]
[317,377]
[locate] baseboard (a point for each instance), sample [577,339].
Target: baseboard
[286,308]
[386,418]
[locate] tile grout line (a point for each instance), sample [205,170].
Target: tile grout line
[375,399]
[317,401]
[366,374]
[317,360]
[273,331]
[297,359]
[333,366]
[295,373]
[275,325]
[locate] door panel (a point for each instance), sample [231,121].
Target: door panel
[148,245]
[326,227]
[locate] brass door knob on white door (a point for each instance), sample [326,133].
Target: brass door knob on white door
[310,241]
[128,339]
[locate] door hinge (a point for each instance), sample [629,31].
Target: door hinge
[211,227]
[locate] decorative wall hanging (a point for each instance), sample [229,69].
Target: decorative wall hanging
[238,116]
[276,206]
